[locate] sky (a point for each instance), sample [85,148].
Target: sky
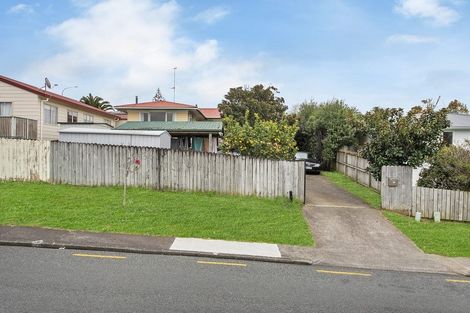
[369,53]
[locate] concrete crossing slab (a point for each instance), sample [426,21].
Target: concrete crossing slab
[226,247]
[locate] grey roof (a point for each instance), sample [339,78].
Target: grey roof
[459,120]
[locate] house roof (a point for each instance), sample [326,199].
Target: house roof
[58,98]
[173,127]
[459,120]
[157,105]
[210,112]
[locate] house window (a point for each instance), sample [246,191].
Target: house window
[5,108]
[72,117]
[50,114]
[157,117]
[88,118]
[448,136]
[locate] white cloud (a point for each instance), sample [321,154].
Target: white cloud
[433,10]
[212,15]
[410,39]
[21,8]
[122,48]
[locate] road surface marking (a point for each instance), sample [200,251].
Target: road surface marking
[222,263]
[458,281]
[99,256]
[344,273]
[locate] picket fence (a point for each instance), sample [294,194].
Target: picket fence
[105,165]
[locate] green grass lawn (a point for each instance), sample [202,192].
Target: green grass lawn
[369,196]
[445,238]
[150,212]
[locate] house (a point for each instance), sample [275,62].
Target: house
[42,111]
[459,129]
[190,127]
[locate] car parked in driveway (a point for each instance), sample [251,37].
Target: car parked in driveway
[311,166]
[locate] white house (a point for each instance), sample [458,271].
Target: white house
[459,129]
[42,111]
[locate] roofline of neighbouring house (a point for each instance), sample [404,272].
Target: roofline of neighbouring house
[56,97]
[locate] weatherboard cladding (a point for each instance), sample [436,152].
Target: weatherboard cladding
[174,126]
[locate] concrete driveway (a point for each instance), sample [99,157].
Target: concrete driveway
[350,233]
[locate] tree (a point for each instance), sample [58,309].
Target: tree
[96,102]
[449,169]
[158,96]
[257,100]
[455,106]
[395,138]
[265,139]
[326,127]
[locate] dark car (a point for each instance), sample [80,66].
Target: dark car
[311,166]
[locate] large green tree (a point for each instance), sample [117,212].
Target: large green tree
[449,169]
[96,102]
[396,138]
[326,127]
[258,100]
[265,139]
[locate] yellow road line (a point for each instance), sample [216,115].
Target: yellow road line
[344,273]
[458,281]
[221,263]
[99,256]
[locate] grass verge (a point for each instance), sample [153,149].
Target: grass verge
[150,212]
[368,195]
[445,238]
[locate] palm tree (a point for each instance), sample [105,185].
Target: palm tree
[96,102]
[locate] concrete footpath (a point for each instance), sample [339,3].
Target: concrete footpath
[62,239]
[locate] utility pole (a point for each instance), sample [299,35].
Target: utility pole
[174,84]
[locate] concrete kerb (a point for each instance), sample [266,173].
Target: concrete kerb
[281,260]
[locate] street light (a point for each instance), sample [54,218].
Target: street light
[68,88]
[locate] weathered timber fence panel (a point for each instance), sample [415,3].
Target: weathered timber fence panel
[24,159]
[355,167]
[94,165]
[452,204]
[396,187]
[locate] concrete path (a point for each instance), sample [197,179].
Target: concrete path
[227,247]
[349,233]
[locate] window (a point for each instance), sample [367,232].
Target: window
[448,138]
[50,114]
[157,117]
[88,118]
[5,108]
[72,117]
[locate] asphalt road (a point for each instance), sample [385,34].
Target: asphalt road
[46,280]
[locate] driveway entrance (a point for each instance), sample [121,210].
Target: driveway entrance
[350,233]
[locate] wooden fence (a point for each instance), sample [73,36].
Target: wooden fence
[104,165]
[452,204]
[398,193]
[18,127]
[350,164]
[25,159]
